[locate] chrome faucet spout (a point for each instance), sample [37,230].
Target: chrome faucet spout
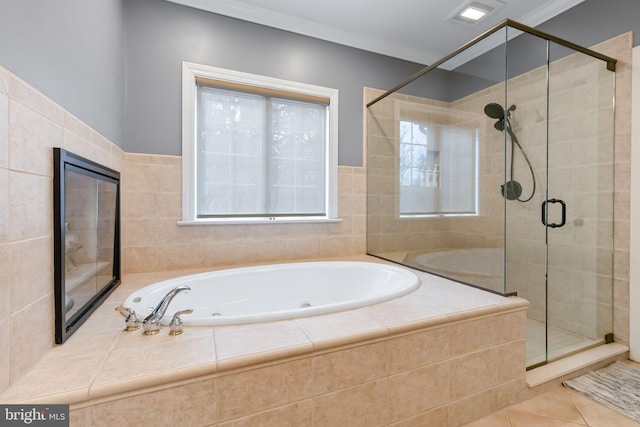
[151,323]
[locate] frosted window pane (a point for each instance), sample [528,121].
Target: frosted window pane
[437,169]
[259,155]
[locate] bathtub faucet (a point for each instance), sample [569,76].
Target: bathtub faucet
[151,323]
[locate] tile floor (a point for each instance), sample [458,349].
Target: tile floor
[560,407]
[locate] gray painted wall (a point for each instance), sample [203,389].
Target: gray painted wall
[72,52]
[160,35]
[594,21]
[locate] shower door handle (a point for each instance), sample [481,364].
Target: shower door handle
[544,213]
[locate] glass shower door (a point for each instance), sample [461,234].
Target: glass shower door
[577,211]
[525,182]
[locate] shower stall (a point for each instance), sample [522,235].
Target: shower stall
[494,167]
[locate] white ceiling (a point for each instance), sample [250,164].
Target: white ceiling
[415,30]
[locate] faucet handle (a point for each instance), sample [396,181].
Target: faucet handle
[175,327]
[132,322]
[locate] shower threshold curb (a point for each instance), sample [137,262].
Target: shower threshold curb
[567,365]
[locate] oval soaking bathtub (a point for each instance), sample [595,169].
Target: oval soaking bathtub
[477,262]
[482,267]
[274,292]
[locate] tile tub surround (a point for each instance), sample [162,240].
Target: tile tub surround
[153,240]
[445,354]
[30,126]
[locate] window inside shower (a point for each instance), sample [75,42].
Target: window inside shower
[431,156]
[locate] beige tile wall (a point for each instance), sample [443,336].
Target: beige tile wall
[152,206]
[439,375]
[30,125]
[621,49]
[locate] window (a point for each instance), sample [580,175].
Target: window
[438,169]
[419,162]
[257,149]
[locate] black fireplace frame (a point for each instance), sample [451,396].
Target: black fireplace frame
[63,161]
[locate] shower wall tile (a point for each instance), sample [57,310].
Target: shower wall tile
[4,131]
[621,49]
[621,323]
[4,205]
[621,264]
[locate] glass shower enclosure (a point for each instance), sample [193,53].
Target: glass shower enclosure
[494,167]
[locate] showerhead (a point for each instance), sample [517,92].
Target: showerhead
[495,111]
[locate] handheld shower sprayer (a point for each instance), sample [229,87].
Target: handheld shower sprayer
[495,111]
[511,190]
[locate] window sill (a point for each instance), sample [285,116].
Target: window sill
[238,221]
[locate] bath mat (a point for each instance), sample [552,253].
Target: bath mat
[616,386]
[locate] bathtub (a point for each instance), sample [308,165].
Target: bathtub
[483,267]
[275,292]
[478,262]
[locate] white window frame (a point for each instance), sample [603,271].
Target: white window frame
[189,143]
